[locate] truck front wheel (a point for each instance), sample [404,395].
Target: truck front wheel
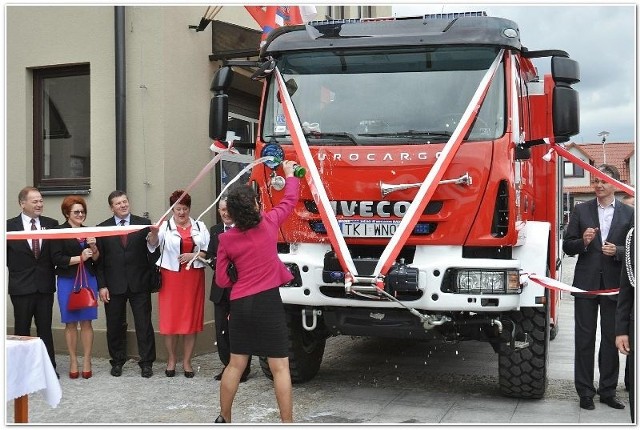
[306,349]
[523,353]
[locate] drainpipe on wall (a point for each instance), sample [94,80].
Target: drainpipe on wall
[121,98]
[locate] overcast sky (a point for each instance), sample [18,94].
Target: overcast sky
[601,38]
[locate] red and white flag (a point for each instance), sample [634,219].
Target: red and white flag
[272,17]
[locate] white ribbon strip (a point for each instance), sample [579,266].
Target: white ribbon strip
[553,284]
[221,151]
[75,233]
[232,181]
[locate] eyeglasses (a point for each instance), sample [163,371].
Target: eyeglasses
[78,212]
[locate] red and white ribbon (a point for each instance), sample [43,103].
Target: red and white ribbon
[75,233]
[428,187]
[418,204]
[221,150]
[560,150]
[552,284]
[313,179]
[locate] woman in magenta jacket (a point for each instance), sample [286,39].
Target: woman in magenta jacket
[257,324]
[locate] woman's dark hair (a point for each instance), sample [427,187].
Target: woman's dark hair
[241,205]
[186,200]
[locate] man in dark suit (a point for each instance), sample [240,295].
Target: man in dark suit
[123,274]
[220,296]
[625,320]
[596,233]
[32,280]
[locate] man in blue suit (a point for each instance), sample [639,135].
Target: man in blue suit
[596,234]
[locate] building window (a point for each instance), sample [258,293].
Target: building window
[572,170]
[61,129]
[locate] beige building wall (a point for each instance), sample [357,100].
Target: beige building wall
[168,74]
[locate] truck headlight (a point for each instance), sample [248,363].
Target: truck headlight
[481,281]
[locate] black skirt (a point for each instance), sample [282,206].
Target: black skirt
[258,326]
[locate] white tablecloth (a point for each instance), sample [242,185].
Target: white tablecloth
[29,370]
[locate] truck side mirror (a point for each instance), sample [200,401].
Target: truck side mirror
[565,70]
[219,105]
[566,106]
[218,117]
[566,113]
[222,79]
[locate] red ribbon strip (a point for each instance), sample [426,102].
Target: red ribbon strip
[593,170]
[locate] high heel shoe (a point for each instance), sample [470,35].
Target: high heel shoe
[170,373]
[220,420]
[74,375]
[87,375]
[188,374]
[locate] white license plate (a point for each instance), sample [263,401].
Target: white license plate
[368,228]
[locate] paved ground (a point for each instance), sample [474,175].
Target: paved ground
[362,380]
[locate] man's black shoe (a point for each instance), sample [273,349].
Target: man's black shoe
[116,370]
[587,403]
[146,372]
[612,402]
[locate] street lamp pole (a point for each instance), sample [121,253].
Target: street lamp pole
[604,135]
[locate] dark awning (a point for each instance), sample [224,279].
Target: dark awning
[233,41]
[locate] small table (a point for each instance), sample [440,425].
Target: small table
[29,370]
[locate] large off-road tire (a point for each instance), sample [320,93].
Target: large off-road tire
[523,372]
[305,351]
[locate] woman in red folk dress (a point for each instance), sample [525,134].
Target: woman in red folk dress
[181,298]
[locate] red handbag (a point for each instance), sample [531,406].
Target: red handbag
[82,296]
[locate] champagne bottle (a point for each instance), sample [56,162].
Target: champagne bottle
[299,171]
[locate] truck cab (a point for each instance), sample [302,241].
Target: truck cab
[376,103]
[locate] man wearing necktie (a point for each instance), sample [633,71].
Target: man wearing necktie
[220,296]
[31,271]
[124,274]
[596,234]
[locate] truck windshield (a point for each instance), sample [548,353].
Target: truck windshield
[400,96]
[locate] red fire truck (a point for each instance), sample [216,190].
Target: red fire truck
[428,198]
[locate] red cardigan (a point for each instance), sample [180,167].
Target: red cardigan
[254,252]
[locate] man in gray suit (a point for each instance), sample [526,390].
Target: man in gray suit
[596,233]
[124,274]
